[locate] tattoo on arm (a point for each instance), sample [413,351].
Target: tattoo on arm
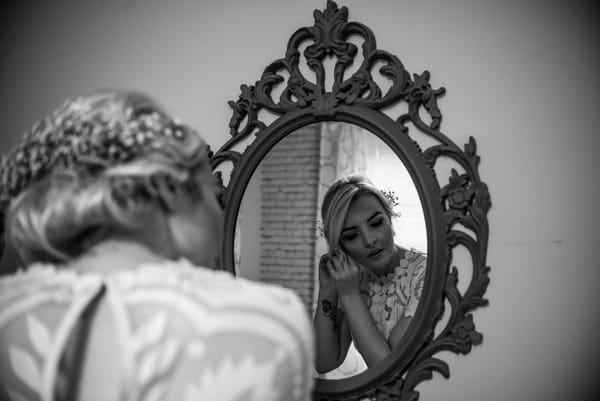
[330,312]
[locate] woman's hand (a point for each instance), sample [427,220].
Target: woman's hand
[346,274]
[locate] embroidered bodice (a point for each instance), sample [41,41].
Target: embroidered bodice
[179,332]
[395,294]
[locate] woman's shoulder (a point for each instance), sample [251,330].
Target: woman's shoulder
[220,299]
[40,281]
[212,289]
[412,256]
[412,262]
[205,280]
[168,283]
[179,275]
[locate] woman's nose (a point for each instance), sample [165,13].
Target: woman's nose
[370,240]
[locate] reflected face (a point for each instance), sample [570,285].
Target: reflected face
[367,234]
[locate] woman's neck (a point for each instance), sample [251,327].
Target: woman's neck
[395,261]
[114,255]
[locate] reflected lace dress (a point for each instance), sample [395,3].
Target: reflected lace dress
[396,294]
[388,298]
[181,333]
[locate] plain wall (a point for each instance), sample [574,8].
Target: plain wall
[521,77]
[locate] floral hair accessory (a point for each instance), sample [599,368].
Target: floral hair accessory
[391,197]
[76,135]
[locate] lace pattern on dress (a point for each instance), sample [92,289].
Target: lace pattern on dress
[396,294]
[185,333]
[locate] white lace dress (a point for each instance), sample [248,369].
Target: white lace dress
[396,294]
[388,298]
[181,333]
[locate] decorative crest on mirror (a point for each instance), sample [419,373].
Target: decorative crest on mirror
[461,200]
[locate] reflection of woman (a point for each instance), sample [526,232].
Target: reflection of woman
[112,207]
[368,286]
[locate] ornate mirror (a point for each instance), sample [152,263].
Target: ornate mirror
[333,105]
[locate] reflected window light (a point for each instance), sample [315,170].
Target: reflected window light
[388,173]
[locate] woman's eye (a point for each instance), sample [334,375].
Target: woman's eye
[377,223]
[350,237]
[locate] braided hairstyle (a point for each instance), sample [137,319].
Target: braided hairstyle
[98,166]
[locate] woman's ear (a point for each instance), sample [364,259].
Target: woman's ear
[156,233]
[169,194]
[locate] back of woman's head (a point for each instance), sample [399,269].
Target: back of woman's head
[337,200]
[98,166]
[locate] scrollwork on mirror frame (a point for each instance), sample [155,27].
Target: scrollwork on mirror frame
[461,202]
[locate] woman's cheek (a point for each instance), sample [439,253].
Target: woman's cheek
[350,249]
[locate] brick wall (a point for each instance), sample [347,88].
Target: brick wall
[289,212]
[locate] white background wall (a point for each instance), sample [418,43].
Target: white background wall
[521,76]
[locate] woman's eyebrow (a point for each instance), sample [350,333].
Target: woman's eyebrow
[369,219]
[376,214]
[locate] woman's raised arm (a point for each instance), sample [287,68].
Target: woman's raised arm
[332,333]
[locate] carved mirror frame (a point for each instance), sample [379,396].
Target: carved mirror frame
[455,210]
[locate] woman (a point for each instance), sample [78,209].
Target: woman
[112,206]
[368,286]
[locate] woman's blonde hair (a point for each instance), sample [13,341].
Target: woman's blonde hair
[108,160]
[337,200]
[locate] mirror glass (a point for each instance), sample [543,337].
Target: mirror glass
[278,234]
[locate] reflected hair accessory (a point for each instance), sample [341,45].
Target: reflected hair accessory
[78,134]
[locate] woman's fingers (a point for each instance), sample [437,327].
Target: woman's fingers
[344,275]
[335,262]
[329,269]
[343,262]
[339,268]
[352,263]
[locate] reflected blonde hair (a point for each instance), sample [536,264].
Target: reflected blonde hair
[62,214]
[337,200]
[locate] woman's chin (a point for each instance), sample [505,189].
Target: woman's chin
[380,263]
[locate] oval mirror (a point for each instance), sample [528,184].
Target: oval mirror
[322,111]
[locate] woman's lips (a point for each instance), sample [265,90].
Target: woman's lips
[375,253]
